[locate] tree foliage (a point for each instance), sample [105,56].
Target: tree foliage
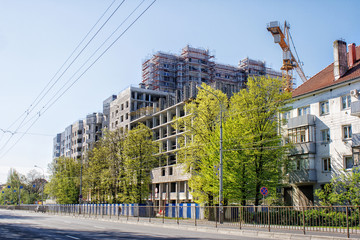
[253,155]
[342,190]
[64,181]
[28,193]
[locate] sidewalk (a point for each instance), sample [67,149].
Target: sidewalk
[275,233]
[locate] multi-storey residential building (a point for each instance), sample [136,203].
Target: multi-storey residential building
[170,72]
[57,145]
[134,102]
[106,111]
[168,81]
[79,137]
[324,125]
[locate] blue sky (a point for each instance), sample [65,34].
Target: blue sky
[37,36]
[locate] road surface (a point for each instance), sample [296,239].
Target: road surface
[28,225]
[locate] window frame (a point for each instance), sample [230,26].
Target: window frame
[347,102]
[345,162]
[327,140]
[301,110]
[326,162]
[324,108]
[346,132]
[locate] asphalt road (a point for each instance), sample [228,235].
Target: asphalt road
[28,225]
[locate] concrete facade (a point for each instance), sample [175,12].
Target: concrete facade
[322,126]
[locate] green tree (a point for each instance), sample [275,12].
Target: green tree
[138,162]
[104,168]
[342,190]
[254,155]
[252,128]
[11,195]
[199,143]
[64,180]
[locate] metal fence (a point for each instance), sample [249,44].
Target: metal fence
[332,219]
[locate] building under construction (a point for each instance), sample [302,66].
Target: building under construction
[171,73]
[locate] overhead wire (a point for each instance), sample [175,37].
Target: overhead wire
[36,101]
[52,103]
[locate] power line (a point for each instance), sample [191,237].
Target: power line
[34,104]
[51,104]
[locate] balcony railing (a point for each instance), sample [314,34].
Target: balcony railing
[303,176]
[355,109]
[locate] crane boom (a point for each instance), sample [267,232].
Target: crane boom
[281,36]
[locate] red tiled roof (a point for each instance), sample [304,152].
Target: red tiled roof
[325,77]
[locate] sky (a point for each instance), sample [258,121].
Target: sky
[36,38]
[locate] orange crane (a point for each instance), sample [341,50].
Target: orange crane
[282,36]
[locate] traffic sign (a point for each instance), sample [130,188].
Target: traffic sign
[34,185]
[21,187]
[264,191]
[14,190]
[9,186]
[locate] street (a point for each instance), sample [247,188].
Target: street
[28,225]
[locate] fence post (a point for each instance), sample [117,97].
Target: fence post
[347,222]
[240,218]
[215,216]
[303,218]
[177,214]
[110,210]
[163,213]
[269,217]
[138,212]
[127,214]
[195,216]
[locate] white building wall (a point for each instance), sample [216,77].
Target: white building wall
[337,148]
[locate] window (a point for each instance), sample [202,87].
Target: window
[163,172]
[304,110]
[326,165]
[325,135]
[286,116]
[122,118]
[126,116]
[345,101]
[324,108]
[348,162]
[127,104]
[170,170]
[299,135]
[301,164]
[347,132]
[122,106]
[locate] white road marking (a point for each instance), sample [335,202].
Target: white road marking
[99,227]
[71,237]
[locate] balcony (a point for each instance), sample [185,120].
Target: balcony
[355,109]
[303,176]
[304,120]
[304,148]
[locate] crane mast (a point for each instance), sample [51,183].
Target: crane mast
[282,36]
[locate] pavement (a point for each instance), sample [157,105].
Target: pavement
[29,225]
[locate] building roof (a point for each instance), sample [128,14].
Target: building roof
[325,78]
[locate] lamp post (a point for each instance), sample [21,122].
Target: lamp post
[42,194]
[221,208]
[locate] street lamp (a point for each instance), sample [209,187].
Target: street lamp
[221,208]
[42,194]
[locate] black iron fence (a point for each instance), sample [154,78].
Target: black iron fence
[334,219]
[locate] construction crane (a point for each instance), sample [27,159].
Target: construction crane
[282,36]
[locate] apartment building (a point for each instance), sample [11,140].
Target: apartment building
[57,145]
[170,72]
[168,81]
[324,126]
[78,137]
[134,102]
